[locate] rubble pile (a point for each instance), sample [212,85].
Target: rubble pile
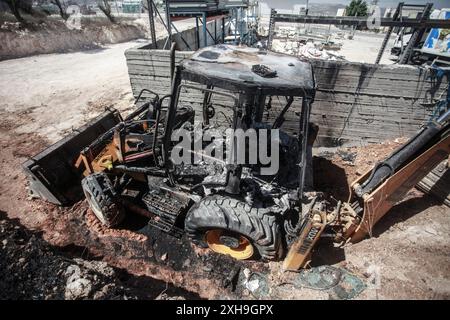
[309,50]
[32,270]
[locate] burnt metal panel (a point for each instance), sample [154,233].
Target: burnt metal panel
[231,68]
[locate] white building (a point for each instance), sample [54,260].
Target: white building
[341,12]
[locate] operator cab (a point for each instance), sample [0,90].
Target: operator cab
[248,88]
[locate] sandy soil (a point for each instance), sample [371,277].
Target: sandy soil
[43,97]
[364,47]
[59,92]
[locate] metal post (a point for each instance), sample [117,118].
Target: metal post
[416,36]
[212,37]
[206,100]
[170,116]
[151,19]
[271,28]
[172,60]
[260,105]
[223,29]
[239,20]
[235,27]
[197,33]
[215,31]
[169,23]
[303,135]
[388,33]
[205,38]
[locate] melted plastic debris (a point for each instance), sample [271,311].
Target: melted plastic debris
[348,288]
[320,278]
[342,284]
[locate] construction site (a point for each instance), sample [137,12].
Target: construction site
[232,150]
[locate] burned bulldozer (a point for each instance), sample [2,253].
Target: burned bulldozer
[157,163]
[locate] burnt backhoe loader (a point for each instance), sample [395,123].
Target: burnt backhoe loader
[125,165]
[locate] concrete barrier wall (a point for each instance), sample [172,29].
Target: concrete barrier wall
[355,102]
[371,103]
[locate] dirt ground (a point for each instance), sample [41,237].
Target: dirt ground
[409,247]
[44,97]
[33,269]
[72,83]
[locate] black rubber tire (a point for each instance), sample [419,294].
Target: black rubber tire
[258,225]
[99,194]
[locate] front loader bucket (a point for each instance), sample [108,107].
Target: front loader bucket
[52,174]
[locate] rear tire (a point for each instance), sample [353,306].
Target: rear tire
[102,199]
[258,225]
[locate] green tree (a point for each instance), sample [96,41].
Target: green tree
[61,7]
[15,6]
[357,8]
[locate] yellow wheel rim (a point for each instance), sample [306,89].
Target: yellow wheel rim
[243,250]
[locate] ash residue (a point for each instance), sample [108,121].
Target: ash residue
[181,255]
[32,269]
[22,261]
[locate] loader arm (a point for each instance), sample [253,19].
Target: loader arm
[374,193]
[377,191]
[378,202]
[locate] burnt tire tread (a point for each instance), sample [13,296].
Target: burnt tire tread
[97,185]
[259,225]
